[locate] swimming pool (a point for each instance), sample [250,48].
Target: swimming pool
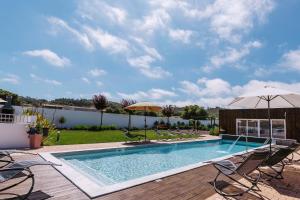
[113,169]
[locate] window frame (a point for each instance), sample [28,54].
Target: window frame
[258,128]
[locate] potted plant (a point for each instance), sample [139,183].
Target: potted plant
[35,136]
[45,127]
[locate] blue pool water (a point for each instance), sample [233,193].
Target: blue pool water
[113,166]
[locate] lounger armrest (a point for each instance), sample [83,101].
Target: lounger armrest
[227,168]
[13,169]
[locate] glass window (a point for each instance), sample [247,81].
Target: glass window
[278,129]
[253,128]
[242,127]
[264,128]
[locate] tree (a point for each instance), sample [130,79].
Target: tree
[194,112]
[14,97]
[100,102]
[168,111]
[125,103]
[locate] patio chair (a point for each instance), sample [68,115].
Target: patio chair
[167,132]
[19,172]
[292,160]
[276,162]
[130,136]
[243,170]
[8,154]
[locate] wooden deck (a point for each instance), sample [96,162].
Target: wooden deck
[190,185]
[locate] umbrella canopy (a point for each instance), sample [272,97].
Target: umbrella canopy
[2,101]
[268,97]
[278,98]
[144,106]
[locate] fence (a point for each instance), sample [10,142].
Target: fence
[78,117]
[18,119]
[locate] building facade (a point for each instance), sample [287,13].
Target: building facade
[285,123]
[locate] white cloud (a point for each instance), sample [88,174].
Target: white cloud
[181,35]
[45,80]
[231,56]
[218,92]
[262,72]
[96,72]
[10,78]
[206,87]
[149,50]
[52,82]
[152,94]
[91,95]
[169,4]
[291,60]
[231,19]
[96,10]
[80,36]
[50,57]
[86,80]
[107,41]
[99,83]
[158,19]
[190,88]
[143,64]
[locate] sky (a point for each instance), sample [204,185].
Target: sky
[177,52]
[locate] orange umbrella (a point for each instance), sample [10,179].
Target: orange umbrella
[144,106]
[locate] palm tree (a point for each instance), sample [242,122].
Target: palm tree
[100,102]
[168,111]
[125,103]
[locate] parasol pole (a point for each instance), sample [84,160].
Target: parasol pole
[145,123]
[269,116]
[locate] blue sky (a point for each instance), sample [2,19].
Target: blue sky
[171,52]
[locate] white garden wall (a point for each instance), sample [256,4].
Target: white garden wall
[13,135]
[93,118]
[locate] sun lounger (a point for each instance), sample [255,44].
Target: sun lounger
[242,170]
[11,173]
[130,136]
[276,162]
[6,156]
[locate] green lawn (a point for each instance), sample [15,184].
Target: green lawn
[88,137]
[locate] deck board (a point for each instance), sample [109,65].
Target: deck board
[191,185]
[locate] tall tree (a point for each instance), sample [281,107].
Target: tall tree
[194,112]
[125,103]
[168,111]
[101,103]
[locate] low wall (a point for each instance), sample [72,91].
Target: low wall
[93,118]
[13,135]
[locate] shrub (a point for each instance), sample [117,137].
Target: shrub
[174,126]
[204,128]
[80,127]
[111,127]
[93,128]
[62,120]
[134,128]
[214,131]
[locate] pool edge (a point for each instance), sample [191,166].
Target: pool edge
[93,190]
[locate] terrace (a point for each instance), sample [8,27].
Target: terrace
[192,184]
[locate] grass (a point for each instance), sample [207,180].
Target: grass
[89,137]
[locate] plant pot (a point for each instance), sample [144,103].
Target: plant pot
[35,141]
[45,132]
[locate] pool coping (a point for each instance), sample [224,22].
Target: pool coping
[93,189]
